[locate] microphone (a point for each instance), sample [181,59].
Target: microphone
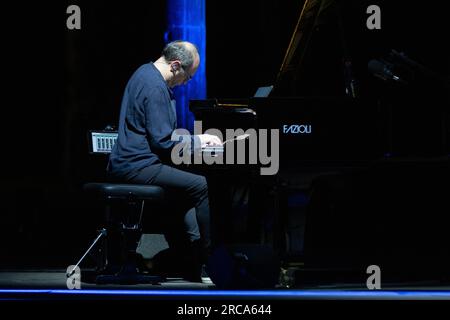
[383,70]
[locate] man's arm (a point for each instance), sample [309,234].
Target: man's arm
[158,123]
[159,126]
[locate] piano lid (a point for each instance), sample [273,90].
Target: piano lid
[314,60]
[331,46]
[308,19]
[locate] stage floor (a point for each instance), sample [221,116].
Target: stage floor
[51,283]
[56,279]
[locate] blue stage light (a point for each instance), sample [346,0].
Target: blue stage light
[186,20]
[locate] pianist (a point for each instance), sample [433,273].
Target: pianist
[143,148]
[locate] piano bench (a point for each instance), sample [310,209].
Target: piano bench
[124,205]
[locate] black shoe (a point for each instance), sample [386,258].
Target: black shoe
[193,275]
[141,263]
[194,268]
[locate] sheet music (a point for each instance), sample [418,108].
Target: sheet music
[241,137]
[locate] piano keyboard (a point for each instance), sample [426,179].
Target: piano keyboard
[213,151]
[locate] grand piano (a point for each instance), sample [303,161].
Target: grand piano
[341,126]
[333,119]
[324,83]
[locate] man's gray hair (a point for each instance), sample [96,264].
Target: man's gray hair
[178,50]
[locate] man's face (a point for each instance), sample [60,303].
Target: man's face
[181,74]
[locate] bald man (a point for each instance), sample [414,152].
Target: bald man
[143,148]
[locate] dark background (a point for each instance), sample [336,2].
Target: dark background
[57,84]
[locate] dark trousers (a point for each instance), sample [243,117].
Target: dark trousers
[184,191]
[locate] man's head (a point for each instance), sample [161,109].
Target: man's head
[178,62]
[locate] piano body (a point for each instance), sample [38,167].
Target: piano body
[338,128]
[342,127]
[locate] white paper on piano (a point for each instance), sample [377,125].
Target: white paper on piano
[215,150]
[241,137]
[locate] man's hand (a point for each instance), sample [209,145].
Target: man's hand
[209,140]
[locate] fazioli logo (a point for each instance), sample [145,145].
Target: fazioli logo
[297,129]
